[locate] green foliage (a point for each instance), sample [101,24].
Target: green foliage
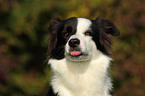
[24,41]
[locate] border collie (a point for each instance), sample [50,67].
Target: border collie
[79,56]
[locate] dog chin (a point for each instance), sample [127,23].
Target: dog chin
[83,56]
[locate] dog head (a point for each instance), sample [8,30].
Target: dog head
[80,39]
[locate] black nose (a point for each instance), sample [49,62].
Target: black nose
[74,42]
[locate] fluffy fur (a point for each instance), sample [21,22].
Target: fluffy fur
[79,56]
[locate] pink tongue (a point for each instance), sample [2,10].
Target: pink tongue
[75,53]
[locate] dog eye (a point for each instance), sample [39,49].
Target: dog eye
[88,33]
[66,35]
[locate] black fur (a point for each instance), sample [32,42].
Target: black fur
[103,30]
[51,92]
[58,40]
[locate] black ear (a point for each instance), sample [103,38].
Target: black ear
[108,27]
[53,29]
[54,24]
[106,30]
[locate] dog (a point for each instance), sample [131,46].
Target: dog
[79,56]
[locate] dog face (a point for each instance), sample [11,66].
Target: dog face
[78,39]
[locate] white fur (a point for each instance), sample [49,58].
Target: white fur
[83,25]
[87,77]
[85,44]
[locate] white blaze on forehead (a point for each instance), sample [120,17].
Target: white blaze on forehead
[83,25]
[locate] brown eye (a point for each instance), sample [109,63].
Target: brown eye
[66,35]
[88,33]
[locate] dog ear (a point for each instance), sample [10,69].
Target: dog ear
[54,25]
[106,30]
[53,29]
[108,27]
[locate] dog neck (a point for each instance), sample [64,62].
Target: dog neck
[87,78]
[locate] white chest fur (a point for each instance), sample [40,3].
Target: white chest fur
[81,78]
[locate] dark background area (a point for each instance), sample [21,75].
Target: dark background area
[24,40]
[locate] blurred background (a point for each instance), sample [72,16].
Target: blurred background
[24,40]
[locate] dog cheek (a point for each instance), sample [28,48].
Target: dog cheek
[89,44]
[67,48]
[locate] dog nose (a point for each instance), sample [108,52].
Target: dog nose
[74,42]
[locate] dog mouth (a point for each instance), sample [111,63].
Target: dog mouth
[75,52]
[77,56]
